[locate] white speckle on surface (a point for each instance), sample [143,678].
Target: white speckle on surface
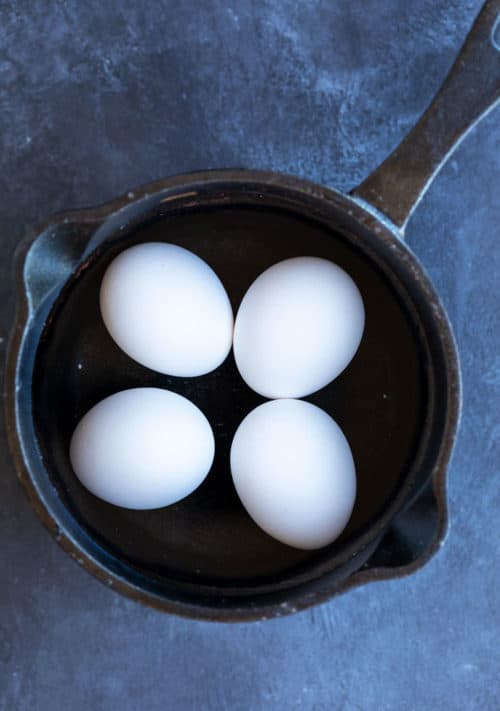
[287,607]
[131,195]
[492,376]
[234,17]
[467,667]
[493,437]
[79,366]
[324,84]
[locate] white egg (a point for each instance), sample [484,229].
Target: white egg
[167,309]
[299,325]
[294,473]
[142,448]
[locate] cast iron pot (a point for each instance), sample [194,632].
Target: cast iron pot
[398,402]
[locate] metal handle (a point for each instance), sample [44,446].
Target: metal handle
[471,89]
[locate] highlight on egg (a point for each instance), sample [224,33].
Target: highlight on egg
[167,309]
[294,473]
[298,327]
[142,448]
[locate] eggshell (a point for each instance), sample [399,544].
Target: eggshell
[294,473]
[299,325]
[167,309]
[142,448]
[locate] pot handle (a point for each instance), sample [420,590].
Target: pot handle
[414,536]
[48,256]
[471,89]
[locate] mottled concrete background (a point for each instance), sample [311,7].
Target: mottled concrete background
[97,97]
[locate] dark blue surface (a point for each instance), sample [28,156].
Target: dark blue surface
[94,101]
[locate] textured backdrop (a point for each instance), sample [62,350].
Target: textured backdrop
[98,97]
